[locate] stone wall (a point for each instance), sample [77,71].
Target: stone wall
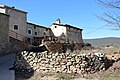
[17,45]
[8,44]
[45,62]
[54,47]
[36,31]
[74,35]
[62,47]
[4,32]
[18,18]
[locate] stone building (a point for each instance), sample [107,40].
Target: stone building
[67,33]
[4,32]
[35,33]
[17,21]
[21,30]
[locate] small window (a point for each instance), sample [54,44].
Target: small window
[46,29]
[36,33]
[28,39]
[29,31]
[55,26]
[34,27]
[15,27]
[43,33]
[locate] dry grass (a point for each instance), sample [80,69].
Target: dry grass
[106,51]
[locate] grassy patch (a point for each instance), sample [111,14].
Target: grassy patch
[110,76]
[65,77]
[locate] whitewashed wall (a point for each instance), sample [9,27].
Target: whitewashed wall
[58,30]
[2,10]
[71,34]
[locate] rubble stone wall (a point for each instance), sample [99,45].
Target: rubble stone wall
[60,62]
[54,47]
[4,32]
[17,45]
[62,47]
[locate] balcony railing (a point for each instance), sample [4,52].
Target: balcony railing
[16,35]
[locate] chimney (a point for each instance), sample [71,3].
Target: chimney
[58,21]
[13,6]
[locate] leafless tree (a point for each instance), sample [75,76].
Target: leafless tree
[112,17]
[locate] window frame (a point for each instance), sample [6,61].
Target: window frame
[36,32]
[15,25]
[28,31]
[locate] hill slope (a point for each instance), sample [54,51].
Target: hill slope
[103,41]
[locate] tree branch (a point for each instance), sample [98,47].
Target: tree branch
[111,4]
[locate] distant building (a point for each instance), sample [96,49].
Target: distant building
[66,33]
[35,33]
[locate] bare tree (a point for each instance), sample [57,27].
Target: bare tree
[113,17]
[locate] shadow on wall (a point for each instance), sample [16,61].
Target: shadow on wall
[22,67]
[12,46]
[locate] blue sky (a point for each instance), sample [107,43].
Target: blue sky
[79,13]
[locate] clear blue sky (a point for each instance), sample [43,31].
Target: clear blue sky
[79,13]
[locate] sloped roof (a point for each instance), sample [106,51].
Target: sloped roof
[67,25]
[13,8]
[4,14]
[37,25]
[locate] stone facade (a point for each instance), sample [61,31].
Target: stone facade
[36,31]
[4,32]
[74,34]
[17,24]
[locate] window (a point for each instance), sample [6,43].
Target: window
[36,33]
[55,26]
[15,27]
[34,27]
[30,31]
[28,39]
[46,29]
[43,33]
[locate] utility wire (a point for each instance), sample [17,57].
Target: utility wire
[97,29]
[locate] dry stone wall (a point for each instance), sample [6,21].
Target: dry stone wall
[4,32]
[45,62]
